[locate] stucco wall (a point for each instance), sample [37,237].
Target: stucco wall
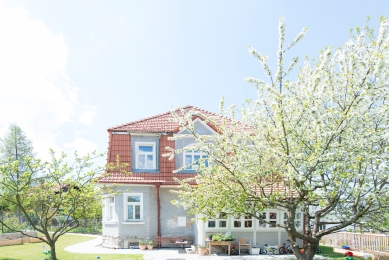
[121,233]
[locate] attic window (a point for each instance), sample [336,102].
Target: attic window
[191,159]
[145,155]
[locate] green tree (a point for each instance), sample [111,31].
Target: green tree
[15,146]
[54,191]
[317,144]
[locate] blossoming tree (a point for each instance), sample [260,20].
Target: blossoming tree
[317,144]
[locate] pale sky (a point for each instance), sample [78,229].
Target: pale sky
[71,69]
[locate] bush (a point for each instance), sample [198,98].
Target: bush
[12,221]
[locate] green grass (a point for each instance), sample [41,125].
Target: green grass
[33,251]
[328,252]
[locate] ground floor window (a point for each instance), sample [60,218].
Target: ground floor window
[133,206]
[110,208]
[220,222]
[268,220]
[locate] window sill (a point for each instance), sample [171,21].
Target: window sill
[134,223]
[109,222]
[187,171]
[144,170]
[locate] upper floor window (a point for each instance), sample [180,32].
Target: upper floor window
[133,205]
[191,159]
[145,155]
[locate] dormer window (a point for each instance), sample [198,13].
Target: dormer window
[191,159]
[145,155]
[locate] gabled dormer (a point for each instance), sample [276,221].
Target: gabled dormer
[142,143]
[190,156]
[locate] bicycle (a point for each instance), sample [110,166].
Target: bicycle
[270,249]
[287,248]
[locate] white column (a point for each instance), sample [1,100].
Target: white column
[254,242]
[200,231]
[279,220]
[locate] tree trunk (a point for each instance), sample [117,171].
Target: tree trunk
[308,253]
[52,251]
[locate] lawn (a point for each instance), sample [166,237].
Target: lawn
[33,251]
[328,252]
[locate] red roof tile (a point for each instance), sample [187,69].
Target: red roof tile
[144,178]
[158,123]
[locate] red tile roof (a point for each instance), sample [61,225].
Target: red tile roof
[159,123]
[120,144]
[145,178]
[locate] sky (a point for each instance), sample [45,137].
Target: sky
[69,70]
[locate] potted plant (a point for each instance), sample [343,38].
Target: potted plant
[202,249]
[209,237]
[142,245]
[150,245]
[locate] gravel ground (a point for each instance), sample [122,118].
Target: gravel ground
[94,247]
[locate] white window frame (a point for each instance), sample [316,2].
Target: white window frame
[268,219]
[138,153]
[297,218]
[108,204]
[217,223]
[126,204]
[242,221]
[193,153]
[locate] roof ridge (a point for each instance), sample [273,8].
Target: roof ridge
[151,117]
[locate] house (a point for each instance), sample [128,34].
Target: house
[142,210]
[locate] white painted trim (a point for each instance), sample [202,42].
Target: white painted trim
[125,204]
[126,184]
[133,223]
[106,204]
[144,134]
[169,186]
[203,123]
[109,222]
[185,153]
[154,153]
[120,133]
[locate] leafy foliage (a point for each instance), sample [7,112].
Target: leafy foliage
[54,191]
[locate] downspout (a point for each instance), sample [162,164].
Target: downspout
[157,185]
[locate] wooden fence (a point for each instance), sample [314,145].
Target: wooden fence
[375,242]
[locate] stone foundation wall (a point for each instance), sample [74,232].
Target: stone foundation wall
[127,241]
[17,235]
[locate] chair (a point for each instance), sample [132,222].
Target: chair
[244,244]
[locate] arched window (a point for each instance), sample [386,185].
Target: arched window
[191,159]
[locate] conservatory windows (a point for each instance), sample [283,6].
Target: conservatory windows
[243,222]
[221,222]
[297,219]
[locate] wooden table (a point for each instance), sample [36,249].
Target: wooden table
[219,243]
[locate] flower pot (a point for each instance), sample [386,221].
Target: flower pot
[150,247]
[194,248]
[202,250]
[142,247]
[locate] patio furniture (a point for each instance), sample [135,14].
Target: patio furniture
[244,244]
